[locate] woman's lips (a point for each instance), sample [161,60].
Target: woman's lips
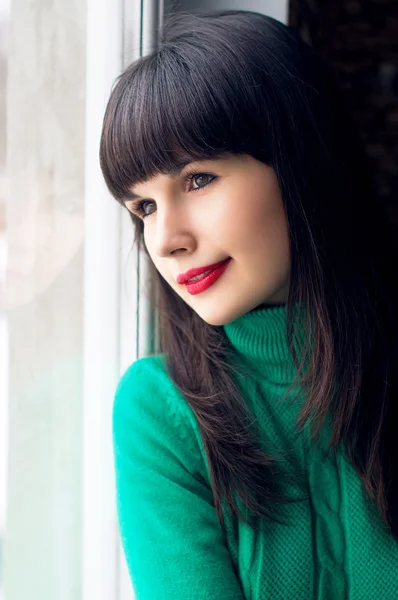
[185,277]
[196,287]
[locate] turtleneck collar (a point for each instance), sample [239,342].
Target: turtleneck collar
[259,338]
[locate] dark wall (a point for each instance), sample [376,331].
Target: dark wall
[360,38]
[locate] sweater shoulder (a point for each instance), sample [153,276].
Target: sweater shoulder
[146,393]
[147,380]
[146,375]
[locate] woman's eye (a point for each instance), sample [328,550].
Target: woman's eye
[201,179]
[141,209]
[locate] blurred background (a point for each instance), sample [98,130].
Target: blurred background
[74,300]
[4,18]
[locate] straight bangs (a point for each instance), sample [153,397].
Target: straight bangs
[177,106]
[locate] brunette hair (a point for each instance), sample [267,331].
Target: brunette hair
[243,83]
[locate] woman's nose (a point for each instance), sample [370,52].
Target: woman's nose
[172,232]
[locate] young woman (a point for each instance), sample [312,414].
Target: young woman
[255,455]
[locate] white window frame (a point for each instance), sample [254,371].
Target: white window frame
[101,313]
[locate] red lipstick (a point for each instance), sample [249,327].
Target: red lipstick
[184,277]
[200,285]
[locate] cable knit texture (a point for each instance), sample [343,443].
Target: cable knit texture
[330,546]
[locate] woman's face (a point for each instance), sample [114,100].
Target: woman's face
[231,208]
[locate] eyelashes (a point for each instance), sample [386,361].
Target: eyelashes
[138,205]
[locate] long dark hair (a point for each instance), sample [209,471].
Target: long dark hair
[241,82]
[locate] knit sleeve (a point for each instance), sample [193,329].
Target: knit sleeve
[173,543]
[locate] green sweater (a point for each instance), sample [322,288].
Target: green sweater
[333,548]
